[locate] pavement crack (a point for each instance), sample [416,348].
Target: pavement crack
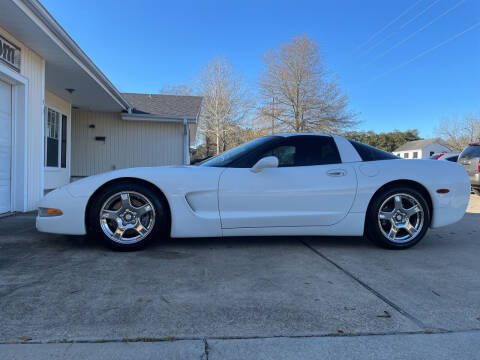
[233,337]
[205,351]
[11,291]
[406,314]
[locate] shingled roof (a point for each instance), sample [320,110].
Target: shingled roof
[165,105]
[420,144]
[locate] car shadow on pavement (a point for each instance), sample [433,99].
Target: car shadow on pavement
[63,243]
[466,230]
[86,242]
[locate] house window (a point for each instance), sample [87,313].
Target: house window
[405,155]
[432,152]
[415,155]
[55,139]
[63,150]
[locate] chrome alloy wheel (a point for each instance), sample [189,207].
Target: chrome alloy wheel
[127,217]
[401,218]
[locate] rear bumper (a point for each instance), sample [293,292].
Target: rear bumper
[475,180]
[71,222]
[450,207]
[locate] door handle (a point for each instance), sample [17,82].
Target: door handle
[336,172]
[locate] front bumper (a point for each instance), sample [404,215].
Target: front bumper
[71,222]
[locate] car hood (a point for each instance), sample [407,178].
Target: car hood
[157,175]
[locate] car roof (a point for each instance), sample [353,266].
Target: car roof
[300,134]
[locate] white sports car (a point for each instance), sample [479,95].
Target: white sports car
[290,184]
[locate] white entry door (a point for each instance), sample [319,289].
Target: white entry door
[5,146]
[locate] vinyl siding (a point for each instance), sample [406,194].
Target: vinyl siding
[127,144]
[33,69]
[436,148]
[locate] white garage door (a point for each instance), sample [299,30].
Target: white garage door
[5,145]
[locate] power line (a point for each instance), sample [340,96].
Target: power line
[402,26]
[426,51]
[419,14]
[417,31]
[387,26]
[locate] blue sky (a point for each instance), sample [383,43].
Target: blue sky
[144,45]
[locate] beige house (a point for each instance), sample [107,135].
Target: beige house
[61,117]
[156,131]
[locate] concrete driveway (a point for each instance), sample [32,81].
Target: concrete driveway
[242,298]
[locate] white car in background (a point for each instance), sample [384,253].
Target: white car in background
[290,184]
[451,156]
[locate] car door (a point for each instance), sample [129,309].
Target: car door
[310,187]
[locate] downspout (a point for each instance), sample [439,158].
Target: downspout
[186,143]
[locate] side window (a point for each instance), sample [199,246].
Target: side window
[370,153]
[316,150]
[305,150]
[285,154]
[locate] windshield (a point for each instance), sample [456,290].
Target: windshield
[228,157]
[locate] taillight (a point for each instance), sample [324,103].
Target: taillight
[479,165]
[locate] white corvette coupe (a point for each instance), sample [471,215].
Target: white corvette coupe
[291,184]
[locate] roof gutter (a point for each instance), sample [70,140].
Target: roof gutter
[56,29]
[159,118]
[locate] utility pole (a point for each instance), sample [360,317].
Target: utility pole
[273,115]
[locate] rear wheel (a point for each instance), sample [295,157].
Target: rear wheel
[127,216]
[398,218]
[476,191]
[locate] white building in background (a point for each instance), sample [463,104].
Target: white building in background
[61,117]
[422,149]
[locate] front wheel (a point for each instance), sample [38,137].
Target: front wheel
[127,216]
[398,218]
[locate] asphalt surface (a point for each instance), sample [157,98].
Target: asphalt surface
[248,298]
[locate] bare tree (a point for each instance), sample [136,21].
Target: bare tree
[297,94]
[267,117]
[182,89]
[458,133]
[225,107]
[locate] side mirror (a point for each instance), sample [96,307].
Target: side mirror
[263,163]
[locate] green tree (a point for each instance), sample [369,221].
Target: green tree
[387,141]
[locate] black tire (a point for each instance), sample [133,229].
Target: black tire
[374,225]
[138,195]
[476,191]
